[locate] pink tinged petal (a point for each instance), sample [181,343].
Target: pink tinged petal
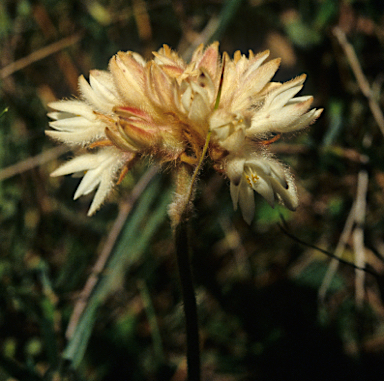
[246,202]
[159,86]
[74,107]
[196,56]
[128,112]
[235,169]
[128,78]
[210,60]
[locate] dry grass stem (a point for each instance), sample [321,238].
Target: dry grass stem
[32,162]
[39,55]
[360,77]
[358,234]
[106,251]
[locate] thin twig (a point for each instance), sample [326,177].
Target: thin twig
[358,234]
[32,162]
[354,227]
[107,250]
[332,268]
[360,77]
[332,255]
[39,55]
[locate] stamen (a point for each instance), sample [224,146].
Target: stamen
[251,179]
[255,177]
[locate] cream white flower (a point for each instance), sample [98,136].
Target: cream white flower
[167,109]
[100,170]
[263,175]
[253,113]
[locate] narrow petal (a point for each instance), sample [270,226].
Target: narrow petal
[279,92]
[246,202]
[253,83]
[288,196]
[235,169]
[82,137]
[277,120]
[104,87]
[76,123]
[128,78]
[78,164]
[94,176]
[256,62]
[74,107]
[304,121]
[234,190]
[199,110]
[262,185]
[210,60]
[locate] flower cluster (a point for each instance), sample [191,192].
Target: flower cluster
[167,109]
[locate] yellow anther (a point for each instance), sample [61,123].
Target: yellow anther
[248,180]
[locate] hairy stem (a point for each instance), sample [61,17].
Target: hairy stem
[189,299]
[180,213]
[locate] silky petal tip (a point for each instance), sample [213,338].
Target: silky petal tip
[318,113]
[248,216]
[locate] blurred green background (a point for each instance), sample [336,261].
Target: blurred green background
[261,316]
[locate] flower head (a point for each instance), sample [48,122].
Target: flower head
[167,109]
